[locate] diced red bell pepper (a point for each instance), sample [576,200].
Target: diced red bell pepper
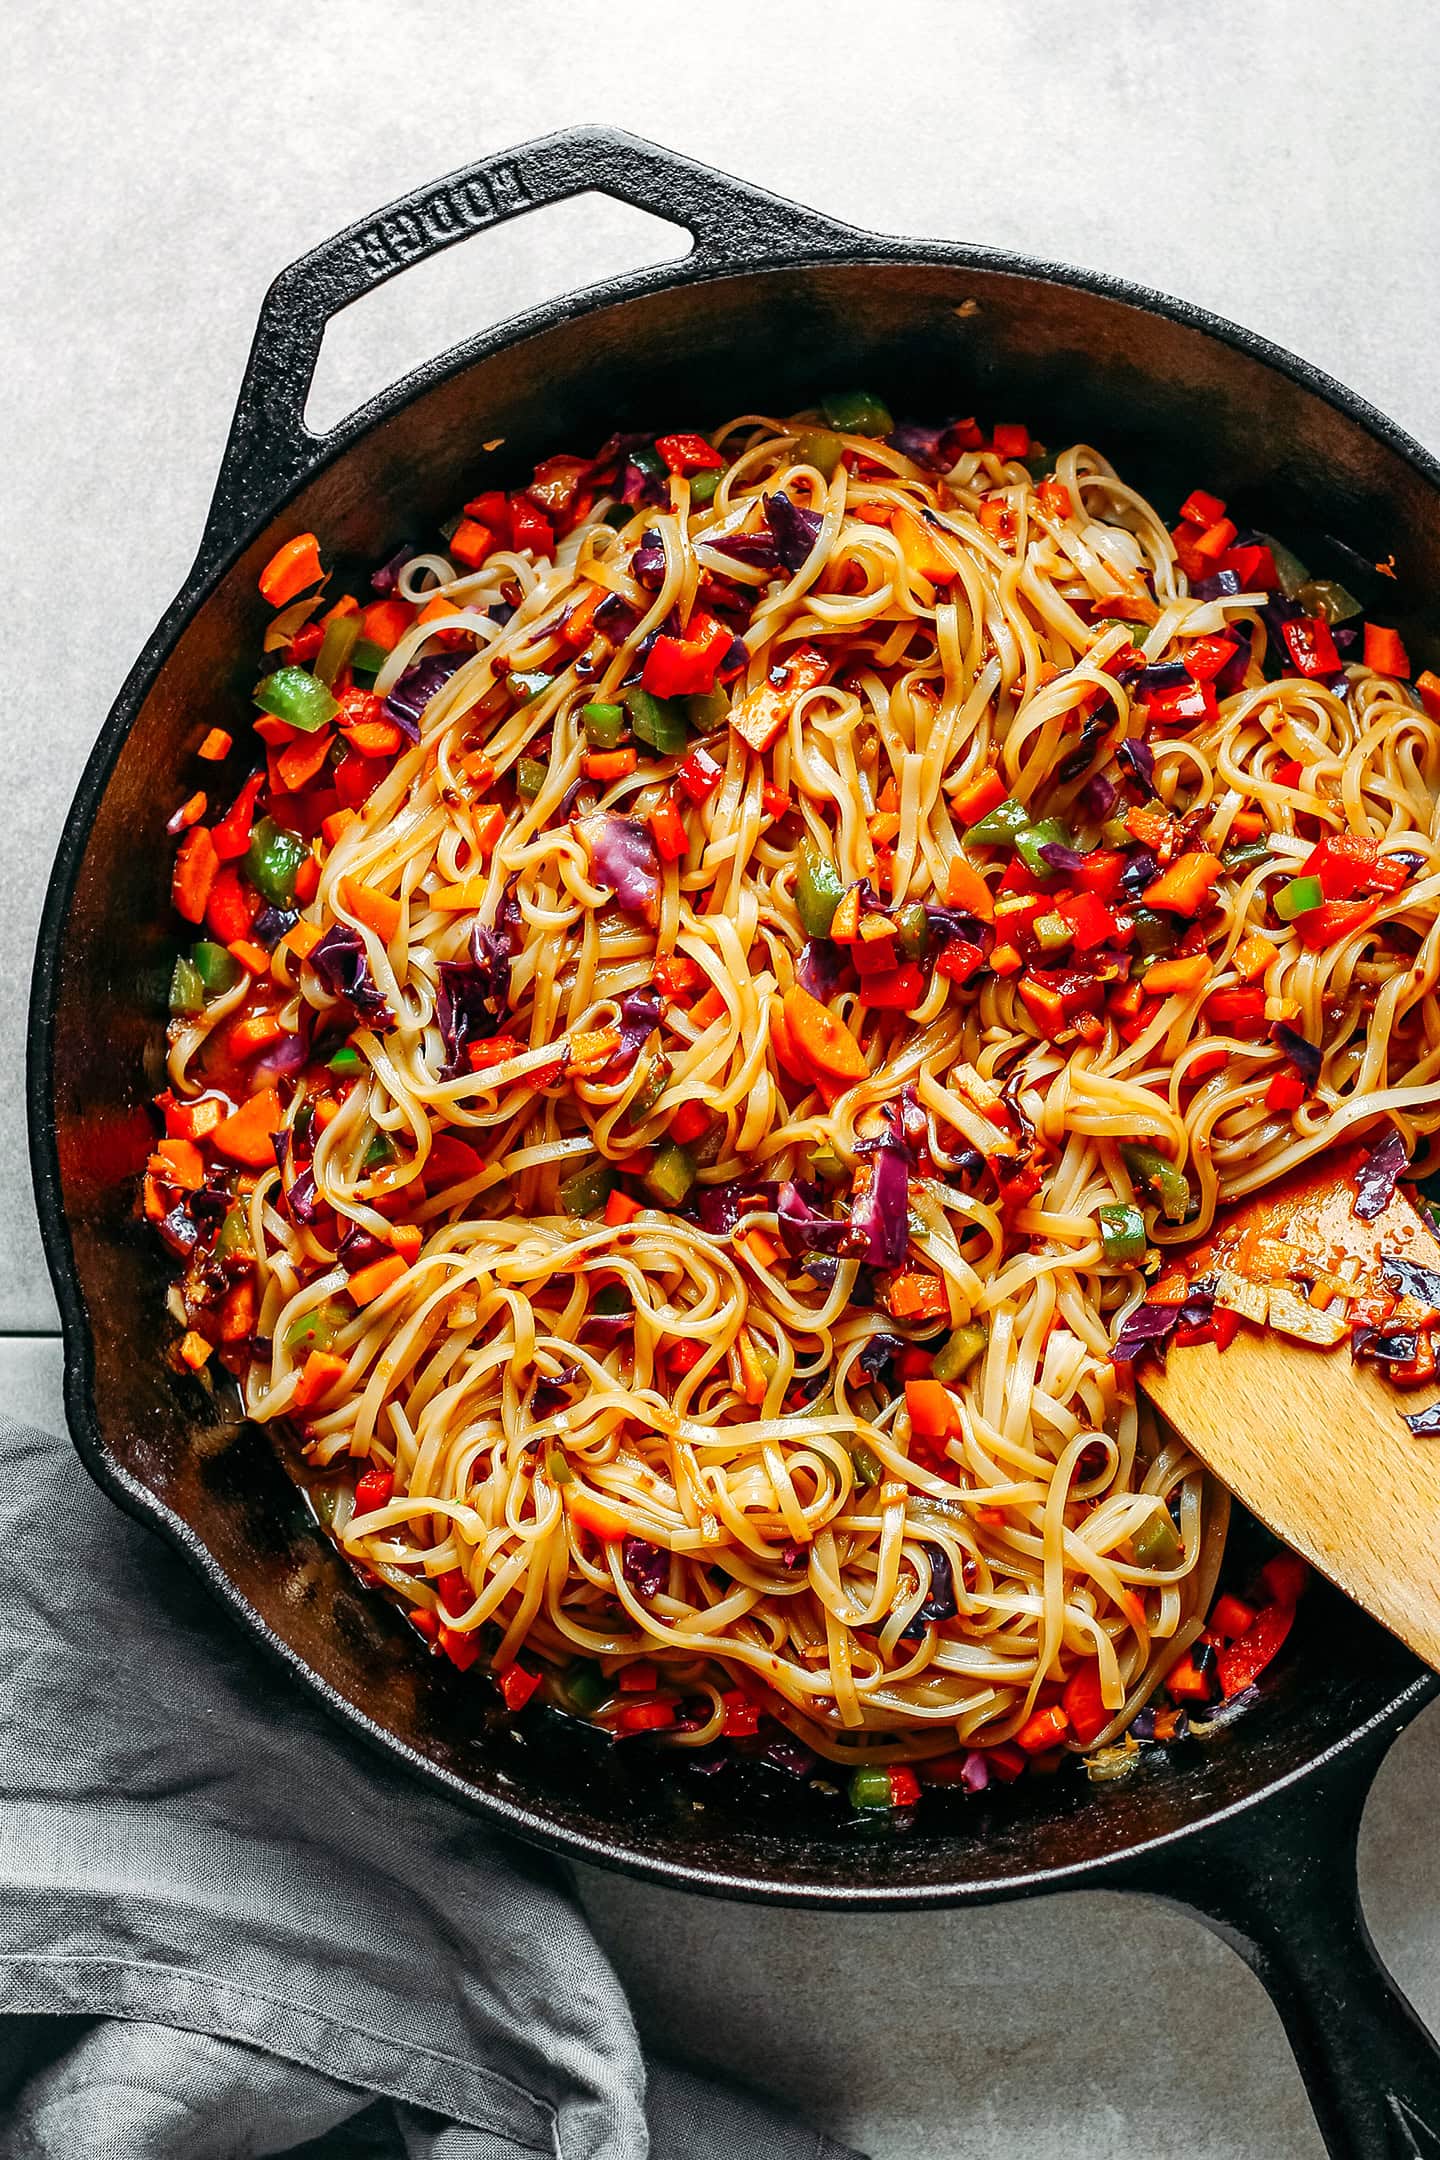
[1253,564]
[1347,863]
[1286,1092]
[687,666]
[462,1649]
[1091,922]
[904,1786]
[1285,1576]
[741,1716]
[1204,657]
[453,1590]
[1230,1617]
[1335,919]
[356,778]
[895,990]
[646,1717]
[1310,645]
[1083,1704]
[1239,1004]
[1224,1326]
[1201,509]
[700,775]
[373,1490]
[1185,705]
[1241,1663]
[492,509]
[1011,440]
[529,527]
[1186,1682]
[230,909]
[1100,872]
[1384,651]
[1042,1730]
[978,797]
[672,842]
[689,454]
[517,1685]
[1289,772]
[959,961]
[232,835]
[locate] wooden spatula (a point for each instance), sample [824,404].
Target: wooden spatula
[1312,1442]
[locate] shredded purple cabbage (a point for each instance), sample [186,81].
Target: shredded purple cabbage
[719,1207]
[915,441]
[1136,760]
[387,577]
[271,924]
[1222,586]
[795,530]
[790,1755]
[820,967]
[756,550]
[647,564]
[1425,1424]
[344,972]
[359,1247]
[622,856]
[552,1390]
[474,994]
[1416,1281]
[1149,1328]
[1232,676]
[975,1772]
[640,1015]
[940,1603]
[1060,857]
[1385,1346]
[1091,735]
[1140,872]
[1304,1055]
[303,1198]
[1163,675]
[804,1226]
[878,1354]
[615,617]
[415,688]
[948,926]
[1096,799]
[1378,1176]
[646,1567]
[638,486]
[882,1211]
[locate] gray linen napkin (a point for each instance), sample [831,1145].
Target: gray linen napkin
[225,1930]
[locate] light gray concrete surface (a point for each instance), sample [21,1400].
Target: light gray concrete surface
[160,163]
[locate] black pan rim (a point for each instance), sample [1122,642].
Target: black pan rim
[138,1501]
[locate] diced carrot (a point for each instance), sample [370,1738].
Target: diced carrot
[620,1208]
[762,1248]
[375,909]
[189,813]
[590,1048]
[1428,685]
[1207,1061]
[462,899]
[290,570]
[255,1032]
[252,957]
[218,744]
[1184,888]
[489,825]
[375,738]
[1253,955]
[1215,539]
[1384,651]
[590,1513]
[471,542]
[998,518]
[759,717]
[610,764]
[1184,976]
[245,1136]
[708,1008]
[194,1350]
[1042,1730]
[184,1164]
[667,828]
[374,1279]
[322,1370]
[193,1120]
[196,868]
[495,1050]
[966,889]
[821,1037]
[334,826]
[237,1312]
[918,1295]
[298,763]
[978,796]
[385,622]
[407,1239]
[922,551]
[934,1412]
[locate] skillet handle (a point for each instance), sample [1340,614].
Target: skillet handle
[270,449]
[1279,1885]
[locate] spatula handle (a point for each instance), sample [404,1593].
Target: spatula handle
[1279,1884]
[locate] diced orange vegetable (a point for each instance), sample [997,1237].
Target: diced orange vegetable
[610,764]
[290,570]
[298,763]
[621,1209]
[385,622]
[301,939]
[461,899]
[245,1136]
[967,890]
[595,1515]
[255,1032]
[1042,1730]
[1184,888]
[194,1350]
[375,909]
[217,745]
[1210,1060]
[590,1048]
[489,824]
[918,1295]
[1253,955]
[934,1412]
[334,826]
[1230,1616]
[667,827]
[759,717]
[374,1279]
[922,551]
[471,542]
[1183,976]
[322,1370]
[237,1312]
[978,796]
[689,1121]
[196,868]
[1286,1092]
[375,738]
[193,1120]
[1428,685]
[182,1163]
[1084,1705]
[1384,651]
[821,1038]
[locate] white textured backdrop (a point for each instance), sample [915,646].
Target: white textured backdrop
[1279,163]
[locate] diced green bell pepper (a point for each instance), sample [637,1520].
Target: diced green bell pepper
[272,860]
[828,1165]
[703,486]
[868,1468]
[1157,1543]
[998,827]
[530,777]
[528,685]
[1159,1176]
[656,720]
[342,635]
[366,657]
[585,1687]
[818,447]
[705,710]
[1246,854]
[587,1191]
[1052,932]
[292,694]
[187,991]
[1328,597]
[857,412]
[1291,572]
[217,969]
[871,1789]
[611,1298]
[380,1151]
[604,725]
[347,1060]
[314,1330]
[1122,1231]
[958,1353]
[653,1087]
[1047,832]
[560,1471]
[234,1241]
[819,888]
[1154,933]
[912,930]
[671,1174]
[1298,898]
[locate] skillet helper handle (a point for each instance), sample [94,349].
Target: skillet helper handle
[270,449]
[1279,1884]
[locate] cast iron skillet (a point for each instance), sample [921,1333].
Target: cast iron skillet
[1254,1829]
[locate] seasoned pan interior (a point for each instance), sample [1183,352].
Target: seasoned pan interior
[1173,404]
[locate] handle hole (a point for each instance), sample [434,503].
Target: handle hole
[456,294]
